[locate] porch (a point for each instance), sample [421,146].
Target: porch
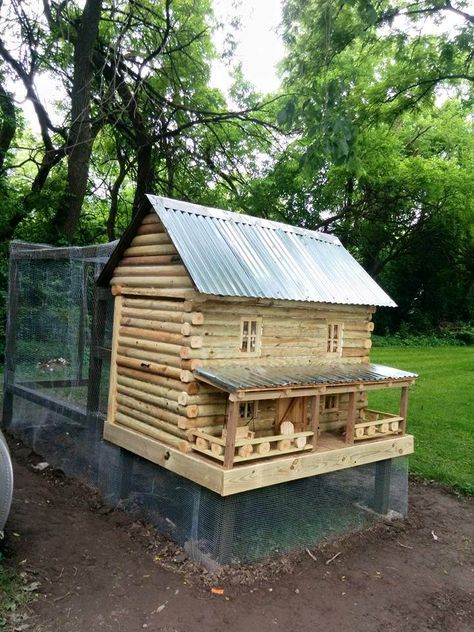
[300,421]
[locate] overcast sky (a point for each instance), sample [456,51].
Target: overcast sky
[259,47]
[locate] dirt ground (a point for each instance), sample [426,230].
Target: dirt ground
[99,570]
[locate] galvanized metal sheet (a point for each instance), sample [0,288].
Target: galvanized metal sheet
[236,378]
[229,254]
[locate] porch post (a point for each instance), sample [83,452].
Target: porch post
[314,422]
[351,413]
[231,430]
[404,408]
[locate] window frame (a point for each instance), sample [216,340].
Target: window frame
[331,409]
[253,404]
[333,326]
[258,336]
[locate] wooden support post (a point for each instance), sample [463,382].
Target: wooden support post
[231,430]
[126,461]
[383,473]
[314,421]
[97,342]
[225,524]
[404,409]
[10,342]
[351,414]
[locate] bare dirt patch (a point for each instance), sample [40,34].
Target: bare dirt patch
[101,570]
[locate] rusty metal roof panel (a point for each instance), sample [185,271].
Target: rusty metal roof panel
[250,378]
[230,254]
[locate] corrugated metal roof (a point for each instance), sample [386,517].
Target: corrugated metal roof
[229,254]
[236,378]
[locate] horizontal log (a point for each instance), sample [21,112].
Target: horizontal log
[151,409]
[191,365]
[188,424]
[162,305]
[139,372]
[210,410]
[185,318]
[143,348]
[160,402]
[145,429]
[152,421]
[138,318]
[146,355]
[174,270]
[150,367]
[149,387]
[149,229]
[162,293]
[207,397]
[157,334]
[151,240]
[348,352]
[152,218]
[160,249]
[153,281]
[150,260]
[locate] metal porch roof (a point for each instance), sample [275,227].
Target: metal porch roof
[230,254]
[256,378]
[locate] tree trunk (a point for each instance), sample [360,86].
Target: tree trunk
[80,135]
[8,123]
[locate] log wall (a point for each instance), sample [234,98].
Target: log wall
[163,329]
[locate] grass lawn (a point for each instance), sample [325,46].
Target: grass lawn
[440,410]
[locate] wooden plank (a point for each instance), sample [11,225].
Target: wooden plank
[404,409]
[190,466]
[256,475]
[231,427]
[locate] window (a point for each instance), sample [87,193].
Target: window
[250,334]
[334,341]
[330,403]
[247,410]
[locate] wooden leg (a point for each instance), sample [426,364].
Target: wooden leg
[404,408]
[10,341]
[225,525]
[231,427]
[383,472]
[315,411]
[351,413]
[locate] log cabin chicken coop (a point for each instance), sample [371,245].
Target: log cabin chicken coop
[240,354]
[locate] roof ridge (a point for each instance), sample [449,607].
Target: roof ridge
[206,211]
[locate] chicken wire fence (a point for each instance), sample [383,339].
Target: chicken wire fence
[57,363]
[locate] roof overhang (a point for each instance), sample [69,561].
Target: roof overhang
[250,382]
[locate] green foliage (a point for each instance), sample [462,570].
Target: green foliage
[15,592]
[440,412]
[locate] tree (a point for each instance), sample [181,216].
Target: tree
[137,72]
[376,156]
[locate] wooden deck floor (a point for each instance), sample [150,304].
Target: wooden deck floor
[331,454]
